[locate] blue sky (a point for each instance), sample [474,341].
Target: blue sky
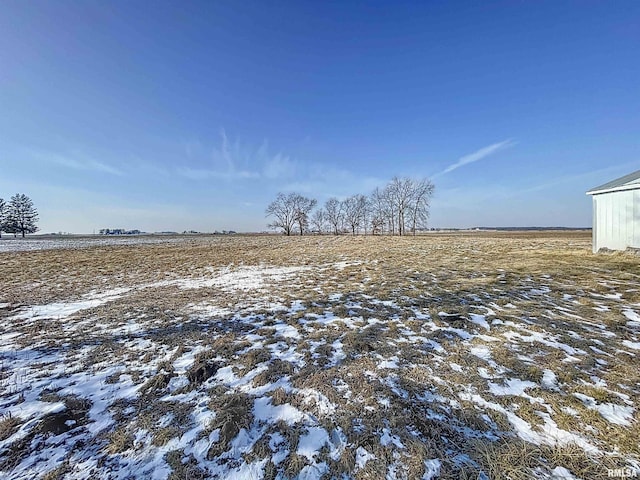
[193,115]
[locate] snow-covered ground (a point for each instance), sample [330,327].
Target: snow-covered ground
[322,371]
[32,243]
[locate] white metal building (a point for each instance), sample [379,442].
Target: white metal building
[616,213]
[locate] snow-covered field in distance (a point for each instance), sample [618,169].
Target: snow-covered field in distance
[54,242]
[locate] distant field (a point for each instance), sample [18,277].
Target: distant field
[51,242]
[468,355]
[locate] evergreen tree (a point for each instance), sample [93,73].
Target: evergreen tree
[21,216]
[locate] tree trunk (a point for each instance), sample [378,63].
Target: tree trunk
[415,217]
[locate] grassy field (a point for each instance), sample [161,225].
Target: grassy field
[484,355]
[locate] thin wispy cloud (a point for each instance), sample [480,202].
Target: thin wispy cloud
[279,166]
[478,155]
[232,160]
[140,166]
[77,162]
[206,174]
[237,161]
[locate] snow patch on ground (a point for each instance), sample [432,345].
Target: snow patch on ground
[431,469]
[62,310]
[362,457]
[617,414]
[514,386]
[311,442]
[549,380]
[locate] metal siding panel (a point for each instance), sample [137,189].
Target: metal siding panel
[603,212]
[620,205]
[614,221]
[628,218]
[606,238]
[623,205]
[602,221]
[610,220]
[631,212]
[636,219]
[615,224]
[594,225]
[619,231]
[621,208]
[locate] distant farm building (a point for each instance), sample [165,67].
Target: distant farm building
[616,213]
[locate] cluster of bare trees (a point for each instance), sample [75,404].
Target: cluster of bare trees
[401,207]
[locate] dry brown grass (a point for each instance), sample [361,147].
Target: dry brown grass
[182,470]
[515,460]
[119,440]
[57,473]
[8,426]
[528,253]
[233,412]
[383,283]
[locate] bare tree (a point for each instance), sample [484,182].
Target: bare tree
[390,209]
[354,211]
[362,206]
[400,192]
[318,220]
[378,211]
[420,202]
[284,212]
[350,214]
[334,215]
[365,213]
[302,207]
[3,212]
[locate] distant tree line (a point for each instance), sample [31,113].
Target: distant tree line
[118,231]
[18,216]
[401,207]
